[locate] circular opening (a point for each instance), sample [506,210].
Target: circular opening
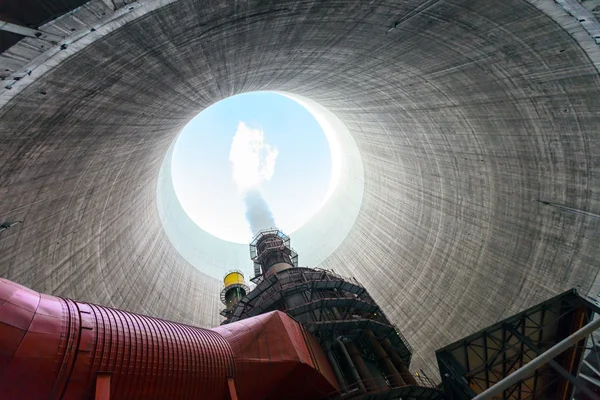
[250,162]
[317,170]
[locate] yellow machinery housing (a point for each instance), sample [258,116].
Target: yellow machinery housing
[235,289]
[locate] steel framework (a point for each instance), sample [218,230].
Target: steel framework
[368,354]
[478,362]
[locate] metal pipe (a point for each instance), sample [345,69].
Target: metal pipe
[557,367]
[72,345]
[336,313]
[400,366]
[275,268]
[384,358]
[336,369]
[5,225]
[351,365]
[361,367]
[595,349]
[378,377]
[537,362]
[93,343]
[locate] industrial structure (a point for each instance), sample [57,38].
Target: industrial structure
[234,289]
[367,353]
[476,122]
[55,348]
[301,333]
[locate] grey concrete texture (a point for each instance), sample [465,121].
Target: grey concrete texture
[477,122]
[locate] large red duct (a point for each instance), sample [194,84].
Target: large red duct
[55,348]
[275,358]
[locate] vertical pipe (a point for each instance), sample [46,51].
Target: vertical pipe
[278,267]
[336,369]
[378,376]
[400,366]
[351,365]
[336,313]
[384,358]
[361,367]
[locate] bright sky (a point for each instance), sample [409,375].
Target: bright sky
[280,150]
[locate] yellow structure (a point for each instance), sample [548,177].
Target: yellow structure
[233,277]
[233,291]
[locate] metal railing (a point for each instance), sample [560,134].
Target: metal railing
[403,339]
[341,277]
[353,390]
[303,276]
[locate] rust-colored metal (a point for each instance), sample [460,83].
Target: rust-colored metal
[54,348]
[398,363]
[385,360]
[574,353]
[275,358]
[232,391]
[102,386]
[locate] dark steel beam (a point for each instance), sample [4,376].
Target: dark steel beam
[540,338]
[485,360]
[504,355]
[557,367]
[522,358]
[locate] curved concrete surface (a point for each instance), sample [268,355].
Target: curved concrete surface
[477,123]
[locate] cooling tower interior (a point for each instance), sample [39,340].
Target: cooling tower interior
[477,122]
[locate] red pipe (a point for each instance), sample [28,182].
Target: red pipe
[54,348]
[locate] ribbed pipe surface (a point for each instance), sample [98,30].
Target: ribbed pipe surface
[67,343]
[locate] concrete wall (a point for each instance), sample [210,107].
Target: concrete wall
[477,122]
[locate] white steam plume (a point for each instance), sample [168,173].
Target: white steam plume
[253,162]
[258,213]
[252,159]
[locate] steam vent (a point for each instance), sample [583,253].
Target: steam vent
[457,257]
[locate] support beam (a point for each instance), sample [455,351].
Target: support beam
[231,385]
[102,387]
[556,366]
[29,32]
[454,376]
[536,363]
[485,360]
